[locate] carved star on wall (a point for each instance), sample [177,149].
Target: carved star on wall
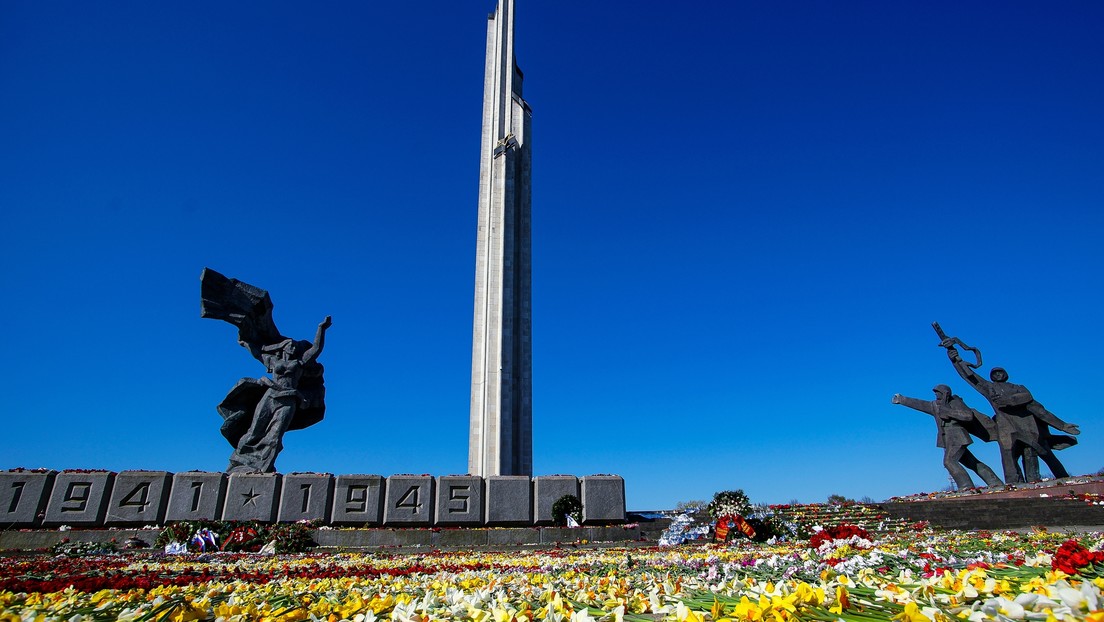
[250,497]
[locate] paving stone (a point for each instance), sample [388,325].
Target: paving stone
[547,489]
[196,495]
[459,500]
[252,496]
[23,497]
[409,500]
[358,500]
[509,500]
[79,499]
[139,498]
[603,498]
[306,496]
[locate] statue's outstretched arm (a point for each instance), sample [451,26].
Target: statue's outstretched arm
[1049,418]
[319,341]
[915,404]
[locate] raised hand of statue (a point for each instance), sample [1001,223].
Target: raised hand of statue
[896,398]
[1071,428]
[326,323]
[952,353]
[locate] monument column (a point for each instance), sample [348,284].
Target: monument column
[501,427]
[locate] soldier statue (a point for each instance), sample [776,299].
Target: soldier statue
[1023,424]
[956,422]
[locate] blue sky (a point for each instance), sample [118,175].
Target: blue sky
[745,217]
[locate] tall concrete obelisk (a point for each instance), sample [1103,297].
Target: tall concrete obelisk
[501,435]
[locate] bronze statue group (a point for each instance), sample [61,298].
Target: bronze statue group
[1020,425]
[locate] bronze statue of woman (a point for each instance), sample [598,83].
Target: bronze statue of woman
[258,411]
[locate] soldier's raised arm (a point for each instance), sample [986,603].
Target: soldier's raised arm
[968,374]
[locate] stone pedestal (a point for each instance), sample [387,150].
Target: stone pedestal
[509,501]
[547,489]
[603,498]
[196,496]
[23,497]
[79,499]
[358,500]
[459,500]
[306,496]
[139,498]
[252,496]
[409,500]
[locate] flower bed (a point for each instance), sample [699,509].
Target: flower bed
[907,576]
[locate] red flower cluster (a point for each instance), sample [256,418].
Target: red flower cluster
[1072,557]
[49,574]
[838,532]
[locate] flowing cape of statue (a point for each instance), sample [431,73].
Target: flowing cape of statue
[981,426]
[1061,441]
[249,308]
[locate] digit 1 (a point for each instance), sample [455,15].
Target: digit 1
[18,486]
[197,487]
[306,496]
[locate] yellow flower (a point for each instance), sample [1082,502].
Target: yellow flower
[747,610]
[842,601]
[685,614]
[911,613]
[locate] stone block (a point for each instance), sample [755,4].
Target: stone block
[23,497]
[252,496]
[603,498]
[358,500]
[306,496]
[408,500]
[196,495]
[139,498]
[557,535]
[79,499]
[509,500]
[547,489]
[464,539]
[514,537]
[459,500]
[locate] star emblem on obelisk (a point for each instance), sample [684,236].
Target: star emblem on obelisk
[250,497]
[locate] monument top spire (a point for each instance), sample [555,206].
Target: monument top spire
[500,433]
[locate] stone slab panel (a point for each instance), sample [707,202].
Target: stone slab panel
[28,540]
[409,500]
[547,489]
[459,500]
[139,498]
[23,497]
[371,538]
[79,499]
[509,500]
[460,538]
[357,500]
[306,496]
[252,496]
[513,537]
[555,535]
[603,498]
[196,495]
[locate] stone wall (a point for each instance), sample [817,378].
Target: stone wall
[135,498]
[998,513]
